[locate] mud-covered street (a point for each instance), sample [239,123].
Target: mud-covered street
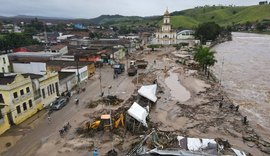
[188,105]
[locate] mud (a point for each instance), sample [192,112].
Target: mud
[197,114]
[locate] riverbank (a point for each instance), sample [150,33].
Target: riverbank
[187,105]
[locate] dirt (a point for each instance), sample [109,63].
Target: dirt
[108,100]
[200,115]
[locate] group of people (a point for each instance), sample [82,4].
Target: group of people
[232,107]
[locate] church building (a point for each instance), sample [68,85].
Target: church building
[166,35]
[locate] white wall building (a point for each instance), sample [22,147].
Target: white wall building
[185,35]
[83,72]
[166,35]
[4,64]
[32,67]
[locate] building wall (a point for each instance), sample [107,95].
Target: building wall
[83,72]
[120,54]
[64,50]
[4,64]
[32,67]
[4,124]
[49,88]
[91,69]
[68,83]
[21,106]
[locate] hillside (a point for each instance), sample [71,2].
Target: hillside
[223,15]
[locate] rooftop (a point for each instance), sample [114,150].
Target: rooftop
[6,78]
[63,75]
[64,64]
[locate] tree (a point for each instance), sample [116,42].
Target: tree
[153,46]
[260,27]
[15,40]
[205,58]
[207,31]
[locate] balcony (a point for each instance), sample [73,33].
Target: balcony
[15,100]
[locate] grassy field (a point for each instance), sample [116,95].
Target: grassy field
[223,15]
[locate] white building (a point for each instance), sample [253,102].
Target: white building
[32,67]
[83,72]
[185,35]
[166,35]
[4,64]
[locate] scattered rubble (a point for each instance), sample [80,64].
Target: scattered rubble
[108,100]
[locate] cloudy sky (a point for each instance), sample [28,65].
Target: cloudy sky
[94,8]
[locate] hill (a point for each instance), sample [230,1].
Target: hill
[223,15]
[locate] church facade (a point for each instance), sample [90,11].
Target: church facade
[165,35]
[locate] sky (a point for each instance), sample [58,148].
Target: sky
[95,8]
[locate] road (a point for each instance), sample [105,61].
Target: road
[33,139]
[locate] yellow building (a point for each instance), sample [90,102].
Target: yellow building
[18,99]
[49,87]
[23,95]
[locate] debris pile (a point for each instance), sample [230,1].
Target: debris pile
[112,100]
[145,78]
[108,100]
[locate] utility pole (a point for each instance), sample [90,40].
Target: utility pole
[78,74]
[137,75]
[100,79]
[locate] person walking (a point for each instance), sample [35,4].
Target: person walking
[49,119]
[77,101]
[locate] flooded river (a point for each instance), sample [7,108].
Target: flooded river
[245,74]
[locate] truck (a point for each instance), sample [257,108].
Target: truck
[141,64]
[118,68]
[132,71]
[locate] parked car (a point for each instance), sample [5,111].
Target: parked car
[58,104]
[118,68]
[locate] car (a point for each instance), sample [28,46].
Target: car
[58,104]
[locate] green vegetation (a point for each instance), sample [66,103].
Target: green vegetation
[207,31]
[153,46]
[15,40]
[205,58]
[222,15]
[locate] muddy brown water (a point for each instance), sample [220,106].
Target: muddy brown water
[177,90]
[245,74]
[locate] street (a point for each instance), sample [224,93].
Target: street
[33,139]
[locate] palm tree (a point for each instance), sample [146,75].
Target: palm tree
[205,58]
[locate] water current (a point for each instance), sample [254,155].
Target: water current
[244,70]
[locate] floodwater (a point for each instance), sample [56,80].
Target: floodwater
[178,92]
[245,74]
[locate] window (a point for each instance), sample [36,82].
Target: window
[1,99]
[48,88]
[1,115]
[18,109]
[43,93]
[30,103]
[4,60]
[24,106]
[22,92]
[27,89]
[53,88]
[15,95]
